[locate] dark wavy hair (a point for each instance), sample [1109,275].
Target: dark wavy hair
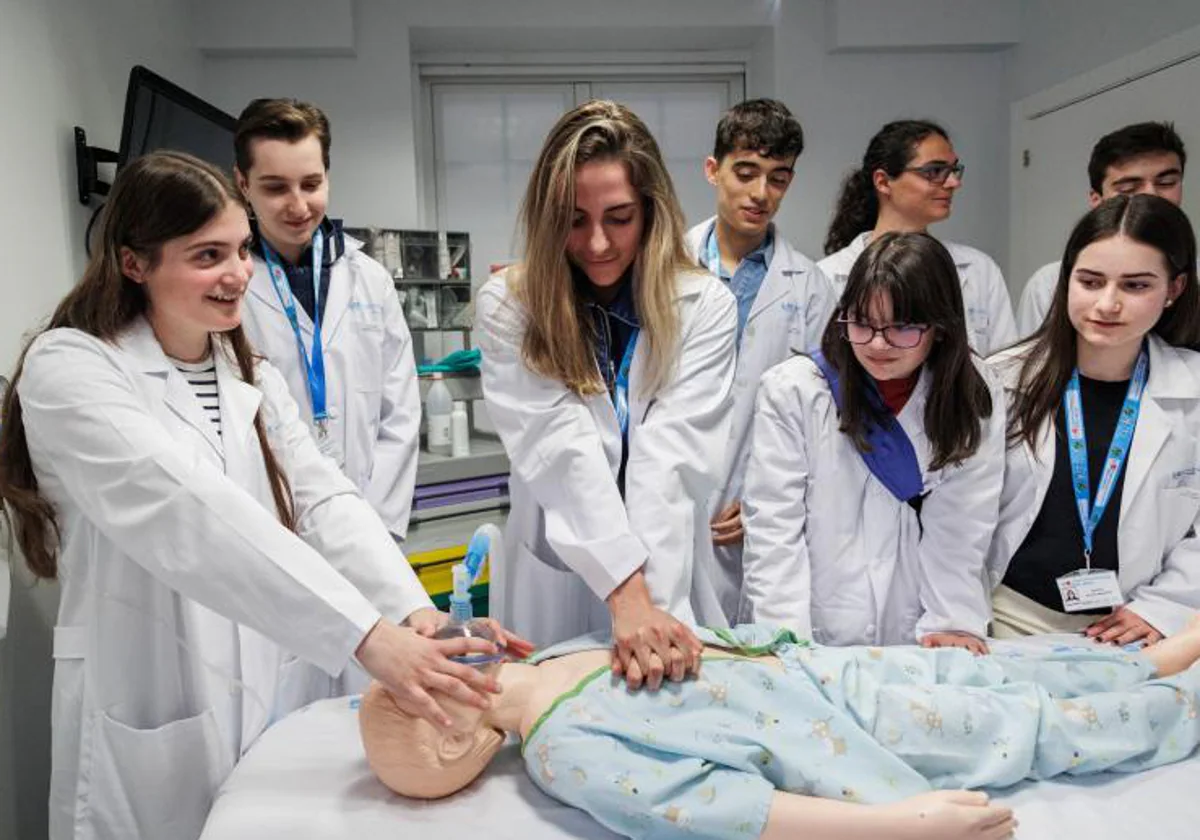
[918,274]
[156,198]
[891,149]
[1049,358]
[765,126]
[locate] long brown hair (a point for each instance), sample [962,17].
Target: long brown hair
[556,337]
[156,198]
[918,274]
[1048,357]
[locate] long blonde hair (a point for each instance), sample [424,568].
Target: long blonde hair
[557,336]
[156,198]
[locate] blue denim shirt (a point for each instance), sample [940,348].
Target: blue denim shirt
[748,278]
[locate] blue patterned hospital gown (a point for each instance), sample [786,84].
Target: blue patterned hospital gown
[702,758]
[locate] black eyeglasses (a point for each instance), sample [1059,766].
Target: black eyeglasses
[938,173]
[900,336]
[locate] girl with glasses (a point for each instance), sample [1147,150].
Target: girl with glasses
[1101,498]
[906,182]
[871,493]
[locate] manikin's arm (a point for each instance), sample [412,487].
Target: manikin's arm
[941,815]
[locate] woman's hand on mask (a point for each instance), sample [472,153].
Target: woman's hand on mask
[414,668]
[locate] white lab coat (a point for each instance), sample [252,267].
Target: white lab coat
[832,553]
[990,323]
[1159,569]
[188,615]
[371,380]
[789,314]
[1036,298]
[571,538]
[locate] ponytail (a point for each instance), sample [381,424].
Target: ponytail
[857,210]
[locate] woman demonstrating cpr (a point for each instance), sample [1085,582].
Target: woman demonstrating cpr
[607,366]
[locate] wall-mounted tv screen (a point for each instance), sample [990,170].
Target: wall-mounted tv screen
[162,115]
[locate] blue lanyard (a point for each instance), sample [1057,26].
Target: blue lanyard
[621,391]
[1117,450]
[314,369]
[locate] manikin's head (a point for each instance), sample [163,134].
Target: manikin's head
[416,759]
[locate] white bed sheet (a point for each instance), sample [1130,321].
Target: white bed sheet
[307,778]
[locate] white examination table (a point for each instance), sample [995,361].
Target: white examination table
[307,779]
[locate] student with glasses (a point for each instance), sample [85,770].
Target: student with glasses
[875,464]
[907,182]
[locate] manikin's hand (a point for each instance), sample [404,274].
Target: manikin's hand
[727,525]
[974,644]
[427,621]
[1123,626]
[949,815]
[412,667]
[649,643]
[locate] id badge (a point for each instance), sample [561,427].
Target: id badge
[1089,589]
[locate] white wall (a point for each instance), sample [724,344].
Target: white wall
[840,98]
[1063,38]
[62,63]
[844,98]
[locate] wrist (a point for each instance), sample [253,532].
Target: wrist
[630,594]
[363,643]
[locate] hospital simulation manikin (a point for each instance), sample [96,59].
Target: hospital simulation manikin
[774,729]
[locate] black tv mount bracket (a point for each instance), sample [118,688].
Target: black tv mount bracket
[87,174]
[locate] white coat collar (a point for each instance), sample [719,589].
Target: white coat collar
[963,257]
[239,401]
[334,306]
[140,342]
[1170,378]
[775,284]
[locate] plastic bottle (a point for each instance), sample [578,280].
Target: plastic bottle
[460,431]
[438,407]
[462,621]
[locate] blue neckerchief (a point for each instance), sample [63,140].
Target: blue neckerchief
[1117,451]
[747,279]
[891,458]
[314,365]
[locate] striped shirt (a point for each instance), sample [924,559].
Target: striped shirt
[202,376]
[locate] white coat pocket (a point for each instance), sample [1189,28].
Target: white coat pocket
[156,783]
[1177,510]
[362,431]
